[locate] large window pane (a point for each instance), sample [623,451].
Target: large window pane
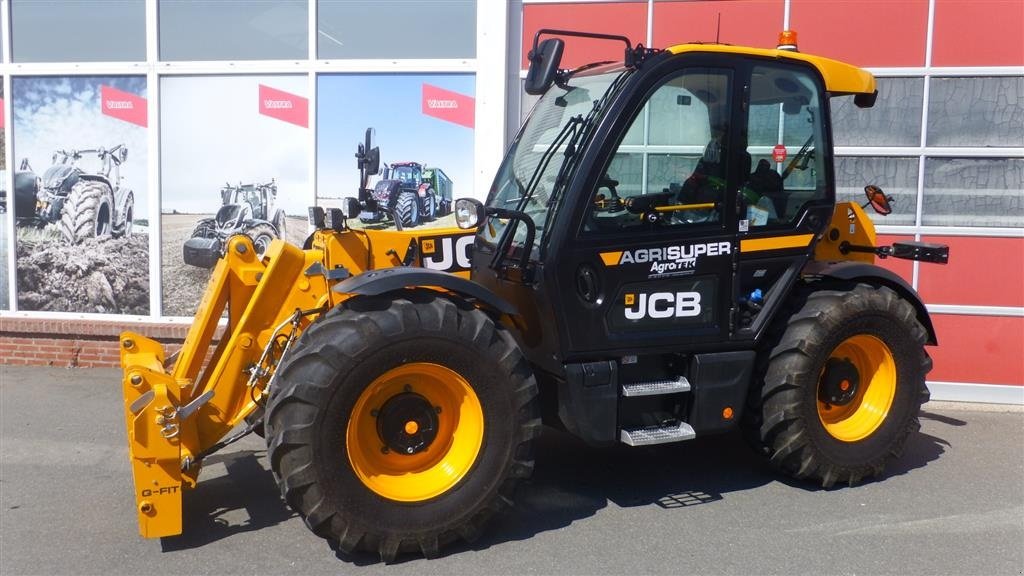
[894,120]
[984,111]
[897,176]
[81,193]
[974,192]
[78,31]
[396,29]
[5,242]
[234,156]
[234,30]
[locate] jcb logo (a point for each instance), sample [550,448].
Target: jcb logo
[662,305]
[447,253]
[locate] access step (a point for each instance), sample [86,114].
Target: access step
[662,435]
[656,387]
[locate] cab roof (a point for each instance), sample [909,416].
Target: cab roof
[840,78]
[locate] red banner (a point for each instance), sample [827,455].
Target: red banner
[284,106]
[124,106]
[449,106]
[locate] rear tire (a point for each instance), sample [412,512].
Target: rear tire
[358,446]
[87,212]
[844,385]
[407,209]
[123,226]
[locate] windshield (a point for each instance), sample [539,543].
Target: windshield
[407,174]
[535,159]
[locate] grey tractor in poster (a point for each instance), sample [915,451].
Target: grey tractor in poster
[245,209]
[82,192]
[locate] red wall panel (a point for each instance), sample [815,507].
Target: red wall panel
[904,268]
[862,32]
[978,33]
[743,22]
[981,271]
[978,349]
[624,18]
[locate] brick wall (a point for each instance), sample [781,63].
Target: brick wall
[76,343]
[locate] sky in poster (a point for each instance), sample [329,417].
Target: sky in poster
[211,133]
[64,113]
[349,104]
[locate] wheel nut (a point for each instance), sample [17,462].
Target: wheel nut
[374,412]
[384,450]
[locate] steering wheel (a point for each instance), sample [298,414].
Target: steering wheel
[608,204]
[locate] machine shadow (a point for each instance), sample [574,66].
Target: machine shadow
[248,485]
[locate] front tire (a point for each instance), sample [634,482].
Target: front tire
[844,385]
[407,209]
[402,425]
[261,235]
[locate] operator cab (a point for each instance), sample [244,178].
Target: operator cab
[662,207]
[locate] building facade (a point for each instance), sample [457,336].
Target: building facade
[187,107]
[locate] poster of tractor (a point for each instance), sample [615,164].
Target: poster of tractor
[79,198]
[423,125]
[247,173]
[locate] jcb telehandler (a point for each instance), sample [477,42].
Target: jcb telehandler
[660,257]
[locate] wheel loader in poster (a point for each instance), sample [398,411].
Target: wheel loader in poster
[410,194]
[402,377]
[248,209]
[82,192]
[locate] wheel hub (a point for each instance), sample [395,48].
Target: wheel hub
[407,423]
[839,382]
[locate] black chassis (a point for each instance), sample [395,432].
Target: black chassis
[580,359]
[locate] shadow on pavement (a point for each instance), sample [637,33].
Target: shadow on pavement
[247,485]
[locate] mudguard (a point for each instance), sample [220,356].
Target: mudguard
[385,280]
[860,271]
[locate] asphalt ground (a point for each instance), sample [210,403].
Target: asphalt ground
[954,504]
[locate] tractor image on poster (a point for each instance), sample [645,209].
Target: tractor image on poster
[82,192]
[410,193]
[245,209]
[401,378]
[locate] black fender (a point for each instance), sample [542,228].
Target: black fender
[872,274]
[384,280]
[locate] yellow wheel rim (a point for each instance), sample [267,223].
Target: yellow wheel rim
[871,390]
[415,432]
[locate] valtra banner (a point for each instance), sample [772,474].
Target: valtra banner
[449,106]
[285,106]
[124,106]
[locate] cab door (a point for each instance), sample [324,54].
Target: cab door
[650,264]
[786,197]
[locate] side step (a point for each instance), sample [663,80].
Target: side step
[646,436]
[656,387]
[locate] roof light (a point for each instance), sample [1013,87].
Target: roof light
[787,40]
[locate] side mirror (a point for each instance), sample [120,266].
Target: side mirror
[469,213]
[865,100]
[351,207]
[544,61]
[878,200]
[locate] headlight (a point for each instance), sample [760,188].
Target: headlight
[469,213]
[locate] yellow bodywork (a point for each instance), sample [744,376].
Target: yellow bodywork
[849,225]
[172,416]
[840,78]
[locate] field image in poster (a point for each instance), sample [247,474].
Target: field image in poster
[234,157]
[80,198]
[423,125]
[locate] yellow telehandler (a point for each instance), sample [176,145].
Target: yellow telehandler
[661,257]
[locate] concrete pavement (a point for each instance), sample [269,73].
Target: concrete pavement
[954,504]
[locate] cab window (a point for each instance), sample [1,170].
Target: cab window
[785,138]
[669,170]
